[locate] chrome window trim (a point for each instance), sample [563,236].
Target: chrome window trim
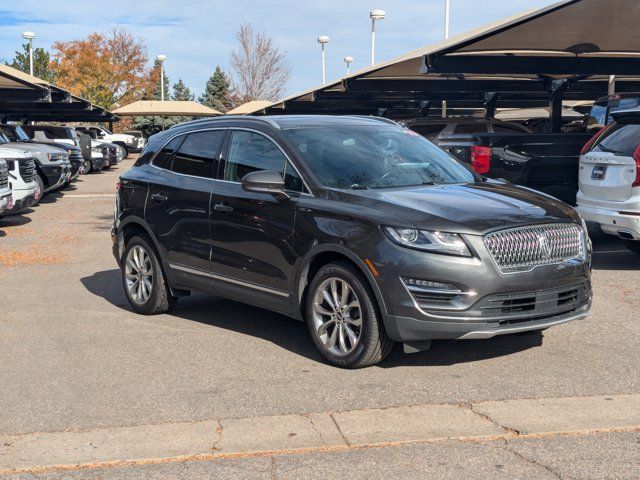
[266,135]
[184,134]
[223,278]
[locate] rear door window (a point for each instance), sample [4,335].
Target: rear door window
[199,154]
[620,140]
[164,157]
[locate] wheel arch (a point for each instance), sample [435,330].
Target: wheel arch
[323,255]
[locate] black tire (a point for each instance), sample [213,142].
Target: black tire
[633,245]
[88,166]
[373,344]
[40,183]
[160,299]
[126,150]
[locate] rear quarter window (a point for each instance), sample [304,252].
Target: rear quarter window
[620,140]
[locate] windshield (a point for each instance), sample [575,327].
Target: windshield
[362,157]
[14,133]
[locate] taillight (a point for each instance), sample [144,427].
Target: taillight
[592,140]
[481,159]
[636,157]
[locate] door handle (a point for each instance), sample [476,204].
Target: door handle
[159,198]
[221,207]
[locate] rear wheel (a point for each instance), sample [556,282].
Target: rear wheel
[143,279]
[633,245]
[343,318]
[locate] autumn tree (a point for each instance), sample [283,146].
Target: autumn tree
[260,69]
[109,69]
[217,92]
[42,67]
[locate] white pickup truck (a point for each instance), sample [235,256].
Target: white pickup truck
[21,172]
[128,143]
[6,199]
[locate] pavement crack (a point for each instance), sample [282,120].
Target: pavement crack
[313,425]
[219,430]
[510,430]
[532,461]
[272,468]
[344,438]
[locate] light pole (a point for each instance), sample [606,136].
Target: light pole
[348,61]
[375,15]
[323,40]
[30,36]
[447,7]
[161,58]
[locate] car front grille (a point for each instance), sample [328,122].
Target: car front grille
[27,168]
[4,175]
[539,303]
[524,248]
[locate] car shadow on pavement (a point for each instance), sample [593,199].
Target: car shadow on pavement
[16,220]
[609,253]
[292,335]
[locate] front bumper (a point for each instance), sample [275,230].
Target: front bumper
[23,202]
[610,220]
[482,302]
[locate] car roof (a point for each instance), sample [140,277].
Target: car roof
[284,122]
[632,112]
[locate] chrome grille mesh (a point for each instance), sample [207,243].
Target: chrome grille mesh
[524,248]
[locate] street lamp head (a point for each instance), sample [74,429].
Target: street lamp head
[28,35]
[348,59]
[161,58]
[323,39]
[377,14]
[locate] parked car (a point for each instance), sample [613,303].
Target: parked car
[433,128]
[112,153]
[52,164]
[15,133]
[94,157]
[546,162]
[609,193]
[603,109]
[21,170]
[126,142]
[99,158]
[364,229]
[6,198]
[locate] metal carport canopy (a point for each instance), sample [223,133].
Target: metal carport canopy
[597,33]
[27,98]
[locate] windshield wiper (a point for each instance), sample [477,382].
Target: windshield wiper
[356,186]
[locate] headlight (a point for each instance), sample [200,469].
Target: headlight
[53,156]
[96,149]
[436,242]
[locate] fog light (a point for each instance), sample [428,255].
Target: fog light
[415,282]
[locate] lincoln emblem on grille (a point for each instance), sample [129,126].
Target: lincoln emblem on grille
[545,248]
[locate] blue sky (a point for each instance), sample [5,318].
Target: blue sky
[197,35]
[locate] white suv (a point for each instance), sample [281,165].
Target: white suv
[127,143]
[22,173]
[609,179]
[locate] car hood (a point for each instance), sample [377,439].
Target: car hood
[33,148]
[12,152]
[470,208]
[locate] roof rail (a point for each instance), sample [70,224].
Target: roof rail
[375,117]
[262,119]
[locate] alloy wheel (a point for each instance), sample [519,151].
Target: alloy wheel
[337,316]
[138,274]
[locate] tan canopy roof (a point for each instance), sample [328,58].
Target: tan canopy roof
[250,107]
[168,108]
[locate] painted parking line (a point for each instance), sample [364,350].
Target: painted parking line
[304,433]
[89,195]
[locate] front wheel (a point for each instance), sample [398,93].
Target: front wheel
[143,279]
[343,318]
[633,245]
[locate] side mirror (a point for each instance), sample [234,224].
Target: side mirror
[264,181]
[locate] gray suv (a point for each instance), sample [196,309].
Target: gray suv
[361,228]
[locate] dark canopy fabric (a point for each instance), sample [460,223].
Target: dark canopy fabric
[520,62]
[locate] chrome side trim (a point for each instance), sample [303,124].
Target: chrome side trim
[228,280]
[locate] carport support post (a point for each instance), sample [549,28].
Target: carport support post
[558,88]
[490,105]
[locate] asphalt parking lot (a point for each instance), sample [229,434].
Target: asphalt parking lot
[76,361]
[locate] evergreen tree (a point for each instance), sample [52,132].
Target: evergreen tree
[155,75]
[41,63]
[181,92]
[217,93]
